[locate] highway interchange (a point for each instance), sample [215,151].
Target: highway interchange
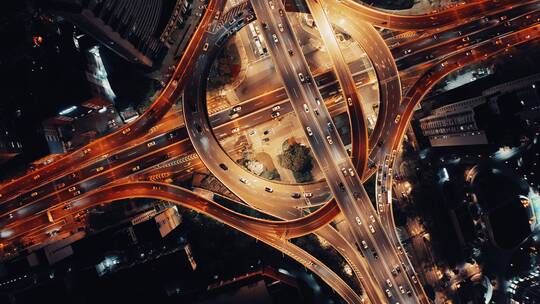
[104,171]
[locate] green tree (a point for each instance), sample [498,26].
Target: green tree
[296,158]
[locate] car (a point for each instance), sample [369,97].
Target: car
[296,195]
[465,39]
[60,186]
[401,289]
[236,109]
[275,114]
[268,189]
[358,221]
[252,132]
[344,171]
[274,36]
[223,167]
[266,139]
[67,206]
[413,278]
[126,131]
[375,254]
[135,168]
[87,150]
[398,117]
[150,144]
[371,229]
[235,130]
[276,108]
[281,13]
[72,189]
[205,47]
[407,51]
[291,52]
[329,139]
[341,187]
[271,3]
[301,77]
[306,108]
[309,132]
[364,244]
[243,180]
[280,27]
[316,111]
[356,195]
[388,293]
[99,169]
[351,172]
[349,101]
[372,218]
[388,283]
[409,293]
[265,26]
[330,126]
[76,192]
[318,101]
[308,194]
[33,194]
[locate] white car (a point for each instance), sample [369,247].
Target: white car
[364,244]
[329,139]
[306,108]
[301,77]
[358,221]
[275,38]
[150,144]
[388,283]
[349,101]
[276,108]
[372,218]
[237,109]
[280,27]
[388,293]
[398,117]
[371,229]
[308,194]
[351,171]
[401,289]
[271,4]
[235,130]
[309,132]
[344,171]
[243,180]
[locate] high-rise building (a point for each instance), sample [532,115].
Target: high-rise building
[131,28]
[10,145]
[454,124]
[489,118]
